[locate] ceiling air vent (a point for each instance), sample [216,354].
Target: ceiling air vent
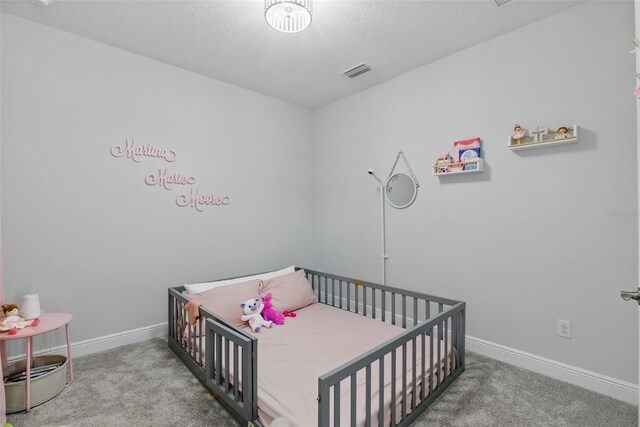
[501,2]
[357,70]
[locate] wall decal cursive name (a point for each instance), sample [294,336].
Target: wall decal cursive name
[196,201]
[130,150]
[165,179]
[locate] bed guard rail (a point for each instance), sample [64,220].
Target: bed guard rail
[397,306]
[233,375]
[231,370]
[187,342]
[437,335]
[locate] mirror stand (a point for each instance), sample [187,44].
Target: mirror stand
[400,191]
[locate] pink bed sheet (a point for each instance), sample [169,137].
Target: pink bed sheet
[321,338]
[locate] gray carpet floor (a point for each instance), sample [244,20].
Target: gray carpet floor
[147,385]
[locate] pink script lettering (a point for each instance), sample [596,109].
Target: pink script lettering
[130,150]
[165,180]
[195,200]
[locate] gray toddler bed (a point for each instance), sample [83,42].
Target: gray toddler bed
[225,358]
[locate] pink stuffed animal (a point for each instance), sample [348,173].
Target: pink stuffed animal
[270,313]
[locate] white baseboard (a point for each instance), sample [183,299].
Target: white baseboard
[106,342]
[618,389]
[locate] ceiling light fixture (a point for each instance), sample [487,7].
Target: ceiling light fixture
[288,16]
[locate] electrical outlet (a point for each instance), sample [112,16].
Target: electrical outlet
[564,328]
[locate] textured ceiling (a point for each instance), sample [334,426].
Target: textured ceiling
[230,40]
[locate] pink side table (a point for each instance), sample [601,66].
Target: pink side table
[48,323]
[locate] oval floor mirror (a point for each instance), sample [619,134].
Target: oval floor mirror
[401,190]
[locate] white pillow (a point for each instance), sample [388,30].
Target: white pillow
[201,287]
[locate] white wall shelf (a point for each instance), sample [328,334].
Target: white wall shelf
[457,168]
[546,137]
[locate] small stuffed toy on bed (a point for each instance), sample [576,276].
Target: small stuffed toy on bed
[270,313]
[252,309]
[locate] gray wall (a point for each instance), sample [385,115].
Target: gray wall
[540,235]
[82,229]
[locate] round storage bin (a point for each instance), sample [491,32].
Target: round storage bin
[43,388]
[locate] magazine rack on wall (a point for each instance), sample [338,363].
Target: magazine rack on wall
[456,168]
[468,159]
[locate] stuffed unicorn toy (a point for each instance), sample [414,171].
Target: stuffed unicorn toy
[252,309]
[271,313]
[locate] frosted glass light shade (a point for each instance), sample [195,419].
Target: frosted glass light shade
[288,16]
[30,306]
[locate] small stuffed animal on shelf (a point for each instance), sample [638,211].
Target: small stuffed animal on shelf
[443,162]
[270,313]
[252,309]
[562,133]
[518,134]
[12,321]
